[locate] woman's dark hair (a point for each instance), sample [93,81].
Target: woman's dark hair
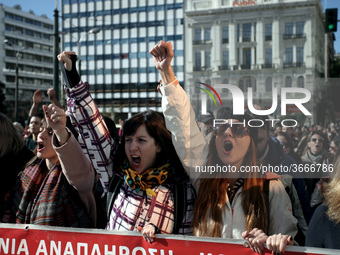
[289,142]
[155,126]
[316,132]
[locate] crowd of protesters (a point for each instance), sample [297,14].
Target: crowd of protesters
[73,168]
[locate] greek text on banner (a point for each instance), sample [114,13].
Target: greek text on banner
[32,239]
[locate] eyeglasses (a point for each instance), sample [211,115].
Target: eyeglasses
[314,140]
[238,131]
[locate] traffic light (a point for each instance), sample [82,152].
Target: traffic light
[331,20]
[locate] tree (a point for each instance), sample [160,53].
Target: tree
[17,7]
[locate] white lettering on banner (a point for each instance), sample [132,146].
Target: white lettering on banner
[107,252]
[68,249]
[95,250]
[42,248]
[125,249]
[202,253]
[13,245]
[23,247]
[62,241]
[153,251]
[85,246]
[81,248]
[134,251]
[5,246]
[54,249]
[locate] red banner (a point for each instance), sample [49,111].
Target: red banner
[31,239]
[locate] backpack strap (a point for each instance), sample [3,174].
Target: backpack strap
[114,187]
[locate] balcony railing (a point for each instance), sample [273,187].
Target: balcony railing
[267,66]
[245,66]
[293,36]
[293,65]
[223,67]
[200,42]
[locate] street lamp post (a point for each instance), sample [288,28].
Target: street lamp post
[17,55]
[56,51]
[92,31]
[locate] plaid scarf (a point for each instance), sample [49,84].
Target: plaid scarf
[44,197]
[147,180]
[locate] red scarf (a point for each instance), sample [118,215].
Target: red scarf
[45,197]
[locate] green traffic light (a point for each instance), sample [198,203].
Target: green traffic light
[330,26]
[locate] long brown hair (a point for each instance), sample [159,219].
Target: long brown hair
[332,190]
[211,198]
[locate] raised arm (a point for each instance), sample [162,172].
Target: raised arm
[52,96]
[77,169]
[94,137]
[38,98]
[189,142]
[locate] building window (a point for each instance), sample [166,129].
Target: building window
[225,35]
[247,82]
[241,86]
[198,34]
[301,82]
[289,28]
[299,28]
[269,86]
[268,28]
[198,62]
[299,56]
[288,82]
[289,56]
[246,58]
[268,57]
[207,59]
[246,32]
[225,58]
[225,2]
[207,34]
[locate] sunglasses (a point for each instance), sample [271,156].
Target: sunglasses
[314,140]
[238,131]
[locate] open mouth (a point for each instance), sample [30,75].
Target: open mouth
[136,160]
[40,146]
[228,146]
